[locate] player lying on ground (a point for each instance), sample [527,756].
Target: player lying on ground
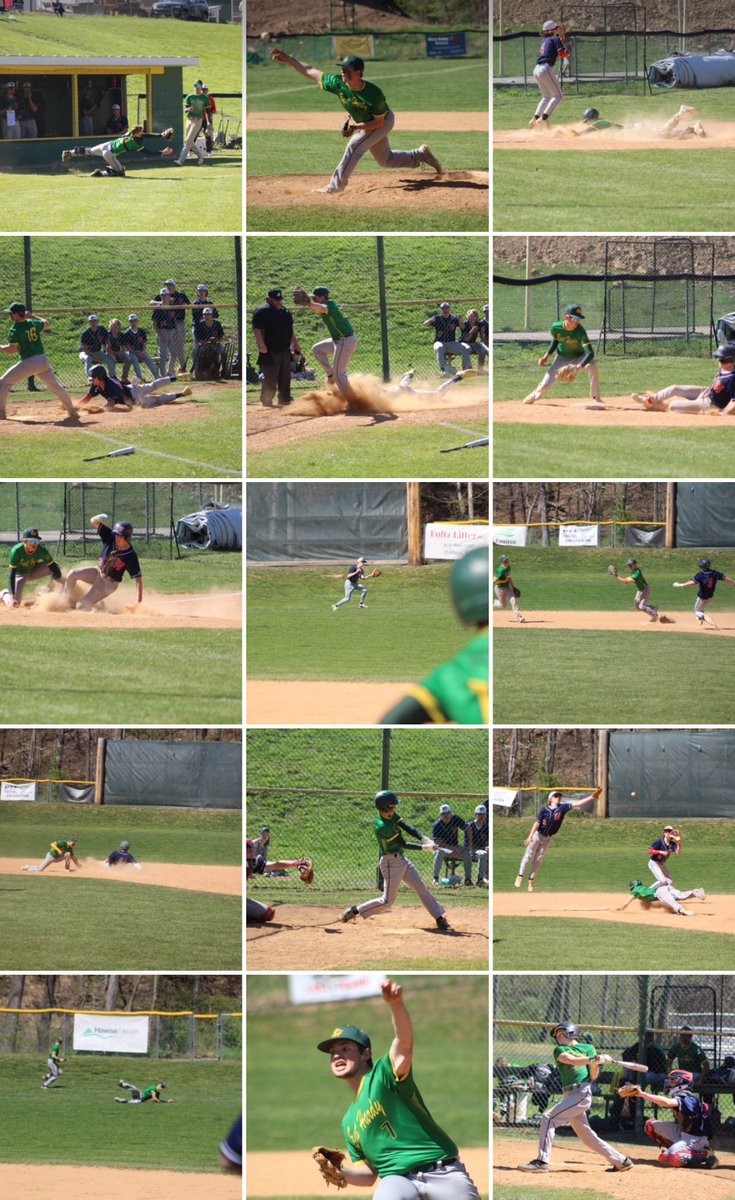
[705,581]
[136,141]
[506,592]
[573,348]
[685,1141]
[29,559]
[138,1096]
[117,557]
[24,339]
[545,827]
[369,122]
[117,394]
[664,893]
[122,855]
[718,398]
[62,850]
[255,911]
[395,868]
[592,122]
[390,1135]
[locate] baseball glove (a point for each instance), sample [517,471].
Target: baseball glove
[301,297]
[517,593]
[168,133]
[376,573]
[629,1089]
[611,570]
[348,129]
[567,373]
[306,870]
[329,1163]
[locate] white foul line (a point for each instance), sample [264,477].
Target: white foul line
[459,428]
[192,462]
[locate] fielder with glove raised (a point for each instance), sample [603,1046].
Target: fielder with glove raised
[685,1140]
[391,1137]
[545,827]
[341,343]
[256,912]
[574,352]
[642,588]
[136,141]
[353,583]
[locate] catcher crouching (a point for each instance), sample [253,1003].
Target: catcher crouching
[574,353]
[685,1140]
[256,912]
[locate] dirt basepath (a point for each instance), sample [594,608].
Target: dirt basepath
[39,416]
[618,411]
[461,191]
[716,914]
[414,122]
[623,622]
[215,610]
[720,134]
[225,881]
[292,1173]
[31,1182]
[319,702]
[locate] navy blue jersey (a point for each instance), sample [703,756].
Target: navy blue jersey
[445,328]
[551,48]
[113,563]
[661,849]
[120,856]
[111,389]
[695,1116]
[178,298]
[94,339]
[476,835]
[446,833]
[256,866]
[722,390]
[164,317]
[356,573]
[208,333]
[134,339]
[707,582]
[550,819]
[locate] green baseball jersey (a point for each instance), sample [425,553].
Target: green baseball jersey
[644,893]
[601,123]
[362,106]
[149,1092]
[124,144]
[336,322]
[25,560]
[388,832]
[59,849]
[638,580]
[27,335]
[389,1127]
[54,1049]
[570,344]
[688,1058]
[198,104]
[571,1076]
[458,690]
[502,571]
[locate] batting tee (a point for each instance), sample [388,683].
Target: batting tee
[149,90]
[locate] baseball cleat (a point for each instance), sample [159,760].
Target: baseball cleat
[519,881]
[710,621]
[443,924]
[334,608]
[121,1083]
[648,401]
[467,373]
[711,1161]
[654,618]
[349,914]
[684,912]
[536,1164]
[97,174]
[406,379]
[430,159]
[119,1100]
[625,1165]
[698,129]
[531,885]
[686,110]
[699,894]
[362,606]
[532,397]
[25,868]
[66,155]
[533,123]
[520,618]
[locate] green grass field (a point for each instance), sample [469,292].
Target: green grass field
[408,628]
[613,190]
[76,1121]
[608,677]
[203,930]
[135,677]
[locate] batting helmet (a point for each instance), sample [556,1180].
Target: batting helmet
[704,564]
[123,529]
[124,845]
[634,883]
[470,586]
[679,1081]
[97,372]
[385,800]
[590,114]
[726,351]
[566,1027]
[321,291]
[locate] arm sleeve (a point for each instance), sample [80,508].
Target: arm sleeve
[11,581]
[587,357]
[409,829]
[552,346]
[55,570]
[408,711]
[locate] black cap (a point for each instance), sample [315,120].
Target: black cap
[275,294]
[351,60]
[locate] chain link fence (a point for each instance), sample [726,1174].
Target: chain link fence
[185,1035]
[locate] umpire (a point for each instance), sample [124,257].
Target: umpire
[273,329]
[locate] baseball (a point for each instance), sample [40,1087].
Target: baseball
[634,793]
[265,37]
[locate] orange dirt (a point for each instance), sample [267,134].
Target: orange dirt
[214,610]
[319,702]
[312,938]
[293,1173]
[720,134]
[624,622]
[459,191]
[416,122]
[716,914]
[31,1182]
[190,877]
[39,416]
[618,411]
[573,1165]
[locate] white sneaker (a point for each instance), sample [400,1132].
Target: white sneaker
[532,397]
[710,621]
[429,158]
[699,894]
[520,619]
[334,608]
[686,110]
[519,881]
[531,885]
[698,129]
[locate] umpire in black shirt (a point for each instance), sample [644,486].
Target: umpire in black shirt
[273,329]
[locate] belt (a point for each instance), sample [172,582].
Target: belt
[575,1087]
[434,1166]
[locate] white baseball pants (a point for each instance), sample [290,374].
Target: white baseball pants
[396,869]
[143,392]
[550,87]
[193,129]
[592,370]
[504,597]
[102,586]
[690,399]
[341,351]
[534,855]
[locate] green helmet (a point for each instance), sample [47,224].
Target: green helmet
[470,585]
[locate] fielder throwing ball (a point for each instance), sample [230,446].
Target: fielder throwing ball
[573,348]
[718,398]
[24,339]
[705,581]
[685,1140]
[389,1132]
[660,851]
[545,827]
[578,1065]
[369,122]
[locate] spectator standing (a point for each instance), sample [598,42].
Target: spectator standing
[9,113]
[164,322]
[29,108]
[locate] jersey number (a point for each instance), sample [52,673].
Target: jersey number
[389,1129]
[32,334]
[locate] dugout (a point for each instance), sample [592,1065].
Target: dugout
[169,774]
[149,90]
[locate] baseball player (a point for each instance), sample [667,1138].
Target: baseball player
[196,106]
[684,1141]
[24,339]
[369,123]
[341,343]
[395,868]
[117,557]
[130,392]
[643,589]
[592,122]
[353,583]
[552,47]
[545,827]
[660,851]
[663,892]
[29,559]
[446,328]
[578,1064]
[62,850]
[505,589]
[477,841]
[136,141]
[122,855]
[573,348]
[458,690]
[390,1135]
[705,581]
[141,1096]
[53,1063]
[445,832]
[256,912]
[717,399]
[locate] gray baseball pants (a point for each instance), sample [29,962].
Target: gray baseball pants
[143,392]
[379,146]
[53,1073]
[445,1182]
[102,586]
[39,365]
[641,602]
[349,589]
[341,351]
[572,1110]
[550,87]
[441,349]
[193,129]
[48,860]
[38,572]
[533,857]
[166,350]
[396,869]
[559,362]
[691,399]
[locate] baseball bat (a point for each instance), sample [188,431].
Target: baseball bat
[467,445]
[641,1068]
[111,454]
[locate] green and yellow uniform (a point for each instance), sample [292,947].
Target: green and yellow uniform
[458,690]
[388,832]
[335,321]
[601,123]
[27,336]
[641,892]
[570,343]
[638,580]
[24,560]
[123,145]
[389,1126]
[573,1076]
[59,849]
[502,572]
[362,106]
[688,1058]
[198,106]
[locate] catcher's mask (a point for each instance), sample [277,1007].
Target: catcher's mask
[568,1028]
[470,586]
[634,883]
[385,800]
[678,1082]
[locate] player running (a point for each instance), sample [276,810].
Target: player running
[684,1141]
[395,868]
[117,557]
[24,339]
[705,581]
[545,827]
[353,583]
[664,893]
[61,851]
[390,1135]
[134,142]
[505,589]
[53,1062]
[142,1096]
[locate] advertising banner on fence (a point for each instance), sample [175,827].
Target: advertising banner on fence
[18,791]
[445,540]
[113,1033]
[504,797]
[579,535]
[510,535]
[446,45]
[319,989]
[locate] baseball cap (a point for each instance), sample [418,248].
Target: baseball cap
[504,558]
[362,560]
[133,317]
[481,808]
[31,535]
[171,282]
[15,307]
[631,562]
[207,310]
[275,294]
[116,106]
[93,317]
[202,287]
[668,828]
[163,292]
[573,310]
[345,1033]
[351,60]
[445,304]
[198,83]
[548,26]
[10,83]
[445,808]
[205,88]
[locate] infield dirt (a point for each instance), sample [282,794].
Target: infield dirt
[618,412]
[293,1173]
[623,622]
[206,610]
[320,702]
[189,877]
[719,135]
[716,914]
[114,1183]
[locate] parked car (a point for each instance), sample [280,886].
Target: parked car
[185,10]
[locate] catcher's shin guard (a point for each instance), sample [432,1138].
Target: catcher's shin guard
[656,1137]
[683,1158]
